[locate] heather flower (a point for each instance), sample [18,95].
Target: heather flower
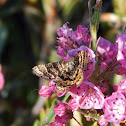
[61,52]
[102,121]
[63,119]
[81,30]
[87,96]
[115,108]
[120,70]
[121,87]
[73,105]
[65,35]
[121,46]
[2,81]
[60,109]
[64,114]
[69,39]
[81,35]
[65,31]
[106,52]
[46,91]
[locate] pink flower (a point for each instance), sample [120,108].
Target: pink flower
[120,44]
[69,39]
[73,105]
[81,30]
[61,109]
[66,58]
[63,119]
[64,114]
[87,39]
[106,52]
[46,91]
[87,96]
[102,121]
[65,37]
[61,52]
[2,81]
[120,70]
[65,43]
[115,108]
[65,31]
[81,35]
[121,87]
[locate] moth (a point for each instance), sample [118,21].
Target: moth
[66,74]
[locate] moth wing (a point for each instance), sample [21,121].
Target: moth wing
[66,83]
[81,59]
[42,71]
[52,70]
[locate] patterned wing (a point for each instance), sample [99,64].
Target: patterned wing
[66,82]
[65,73]
[52,70]
[81,59]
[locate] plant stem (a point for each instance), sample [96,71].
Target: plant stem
[94,20]
[77,121]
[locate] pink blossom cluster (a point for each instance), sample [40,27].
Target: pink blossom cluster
[93,93]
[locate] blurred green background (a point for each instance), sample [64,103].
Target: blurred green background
[28,37]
